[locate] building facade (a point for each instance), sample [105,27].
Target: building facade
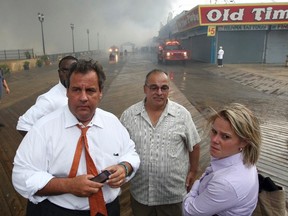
[249,33]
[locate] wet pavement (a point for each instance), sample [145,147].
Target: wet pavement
[268,78]
[261,86]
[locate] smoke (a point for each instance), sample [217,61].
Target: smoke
[115,22]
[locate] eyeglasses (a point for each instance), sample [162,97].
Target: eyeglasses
[155,88]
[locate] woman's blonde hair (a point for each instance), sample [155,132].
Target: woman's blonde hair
[246,126]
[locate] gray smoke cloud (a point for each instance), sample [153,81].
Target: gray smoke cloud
[115,21]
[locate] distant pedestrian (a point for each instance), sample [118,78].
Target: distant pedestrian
[5,85]
[220,56]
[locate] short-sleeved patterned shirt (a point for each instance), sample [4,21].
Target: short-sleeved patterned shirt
[164,152]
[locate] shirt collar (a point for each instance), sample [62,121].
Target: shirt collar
[62,87]
[71,120]
[169,109]
[226,162]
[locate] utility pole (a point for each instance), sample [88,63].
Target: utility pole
[72,28]
[98,40]
[88,40]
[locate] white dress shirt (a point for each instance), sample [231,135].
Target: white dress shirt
[45,103]
[228,188]
[48,149]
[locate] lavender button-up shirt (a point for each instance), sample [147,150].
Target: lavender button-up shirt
[228,187]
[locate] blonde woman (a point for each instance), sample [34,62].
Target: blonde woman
[229,185]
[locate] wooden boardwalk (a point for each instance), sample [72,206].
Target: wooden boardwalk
[120,92]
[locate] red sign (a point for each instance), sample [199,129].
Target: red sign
[241,14]
[189,20]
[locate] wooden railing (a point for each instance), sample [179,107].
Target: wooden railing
[16,54]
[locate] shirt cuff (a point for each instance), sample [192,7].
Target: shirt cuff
[36,183]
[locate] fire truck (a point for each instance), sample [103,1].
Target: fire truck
[172,50]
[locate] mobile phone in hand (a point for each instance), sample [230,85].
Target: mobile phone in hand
[102,177]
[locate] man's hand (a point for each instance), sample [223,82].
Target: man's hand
[82,186]
[117,177]
[191,176]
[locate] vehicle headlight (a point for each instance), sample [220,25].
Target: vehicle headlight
[185,54]
[110,50]
[168,54]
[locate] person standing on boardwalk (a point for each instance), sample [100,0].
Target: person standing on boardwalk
[230,185]
[57,159]
[220,56]
[5,85]
[49,101]
[166,140]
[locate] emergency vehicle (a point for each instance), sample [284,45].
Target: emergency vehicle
[114,49]
[172,50]
[113,53]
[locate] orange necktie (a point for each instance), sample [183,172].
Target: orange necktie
[96,201]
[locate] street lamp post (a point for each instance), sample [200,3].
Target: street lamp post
[88,40]
[72,28]
[98,40]
[41,19]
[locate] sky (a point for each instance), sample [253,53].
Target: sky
[110,22]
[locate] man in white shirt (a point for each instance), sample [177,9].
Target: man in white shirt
[48,154]
[220,56]
[49,101]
